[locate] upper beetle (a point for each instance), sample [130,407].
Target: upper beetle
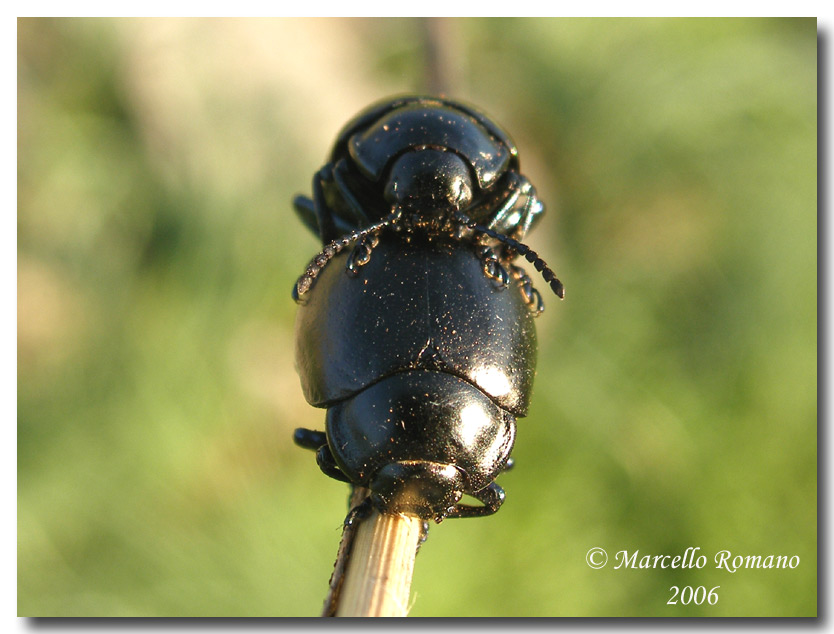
[414,345]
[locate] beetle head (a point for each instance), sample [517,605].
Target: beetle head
[427,489]
[430,186]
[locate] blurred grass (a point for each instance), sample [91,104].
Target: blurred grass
[675,402]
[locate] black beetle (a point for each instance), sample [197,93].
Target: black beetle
[415,346]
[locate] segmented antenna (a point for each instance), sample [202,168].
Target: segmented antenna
[522,249]
[317,264]
[333,249]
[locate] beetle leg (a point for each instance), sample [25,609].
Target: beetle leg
[510,464]
[516,214]
[359,512]
[355,210]
[317,441]
[502,218]
[309,439]
[521,249]
[531,212]
[531,296]
[492,496]
[306,210]
[424,534]
[328,466]
[493,268]
[361,253]
[324,214]
[330,251]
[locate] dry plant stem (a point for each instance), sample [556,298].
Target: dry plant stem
[377,578]
[337,578]
[441,58]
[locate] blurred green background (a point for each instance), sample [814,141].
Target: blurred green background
[675,403]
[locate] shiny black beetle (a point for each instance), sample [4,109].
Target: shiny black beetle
[420,342]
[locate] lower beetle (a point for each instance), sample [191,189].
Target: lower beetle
[420,340]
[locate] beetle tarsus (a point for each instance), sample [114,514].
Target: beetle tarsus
[528,253]
[359,512]
[361,254]
[317,441]
[330,251]
[531,296]
[519,210]
[492,497]
[493,268]
[335,247]
[328,466]
[306,211]
[309,438]
[424,534]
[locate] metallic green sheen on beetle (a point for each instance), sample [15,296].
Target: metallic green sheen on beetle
[419,341]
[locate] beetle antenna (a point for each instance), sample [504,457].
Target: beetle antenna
[331,250]
[528,253]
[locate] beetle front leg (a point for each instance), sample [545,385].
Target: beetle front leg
[329,222]
[317,441]
[493,268]
[517,212]
[531,296]
[522,207]
[324,214]
[361,254]
[492,498]
[309,439]
[306,211]
[328,466]
[353,211]
[533,209]
[359,512]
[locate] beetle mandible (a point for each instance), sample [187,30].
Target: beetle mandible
[420,341]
